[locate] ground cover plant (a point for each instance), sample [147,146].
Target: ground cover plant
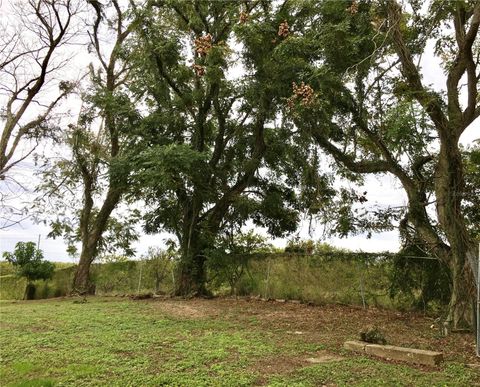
[200,118]
[213,342]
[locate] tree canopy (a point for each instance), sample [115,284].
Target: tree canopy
[218,115]
[372,112]
[215,154]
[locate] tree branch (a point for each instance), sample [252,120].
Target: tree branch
[428,100]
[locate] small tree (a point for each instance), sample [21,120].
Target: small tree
[229,261]
[159,264]
[29,263]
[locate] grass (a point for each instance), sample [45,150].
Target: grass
[118,342]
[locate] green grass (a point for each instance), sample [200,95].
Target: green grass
[117,342]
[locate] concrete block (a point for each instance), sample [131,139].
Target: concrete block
[357,346]
[417,356]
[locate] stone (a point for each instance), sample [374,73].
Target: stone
[324,358]
[411,355]
[372,334]
[354,345]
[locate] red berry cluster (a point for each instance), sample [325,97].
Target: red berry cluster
[353,9]
[199,70]
[303,93]
[203,44]
[283,29]
[243,17]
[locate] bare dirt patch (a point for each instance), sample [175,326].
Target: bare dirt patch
[331,325]
[276,365]
[283,365]
[188,309]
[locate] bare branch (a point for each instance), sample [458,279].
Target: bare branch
[49,21]
[429,100]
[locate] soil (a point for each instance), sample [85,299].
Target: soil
[329,325]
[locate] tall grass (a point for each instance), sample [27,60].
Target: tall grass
[13,287]
[308,278]
[113,278]
[315,279]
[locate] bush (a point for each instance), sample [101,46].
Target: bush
[228,263]
[419,282]
[28,262]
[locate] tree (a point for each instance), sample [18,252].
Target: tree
[159,263]
[101,146]
[30,264]
[214,154]
[230,259]
[374,113]
[31,55]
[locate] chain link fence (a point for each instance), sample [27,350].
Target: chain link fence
[386,280]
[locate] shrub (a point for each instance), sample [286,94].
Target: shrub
[229,261]
[29,263]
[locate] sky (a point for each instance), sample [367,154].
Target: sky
[381,191]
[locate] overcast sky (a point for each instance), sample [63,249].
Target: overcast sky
[384,191]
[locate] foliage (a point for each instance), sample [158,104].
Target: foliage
[117,238]
[219,114]
[230,259]
[115,277]
[300,246]
[35,80]
[213,155]
[420,279]
[160,264]
[471,200]
[100,145]
[249,266]
[29,262]
[373,114]
[90,168]
[372,334]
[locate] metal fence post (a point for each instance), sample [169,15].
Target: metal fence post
[478,303]
[140,277]
[362,269]
[267,280]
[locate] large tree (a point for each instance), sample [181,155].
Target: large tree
[216,154]
[374,113]
[100,146]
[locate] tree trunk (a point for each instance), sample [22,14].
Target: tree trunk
[192,277]
[449,188]
[30,292]
[192,274]
[158,281]
[460,314]
[82,283]
[90,239]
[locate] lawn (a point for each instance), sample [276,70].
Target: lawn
[120,342]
